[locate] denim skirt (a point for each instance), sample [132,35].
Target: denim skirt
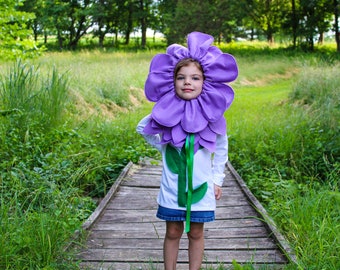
[168,214]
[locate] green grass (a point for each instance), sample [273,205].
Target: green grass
[67,128]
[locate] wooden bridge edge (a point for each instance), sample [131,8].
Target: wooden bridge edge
[103,203]
[279,238]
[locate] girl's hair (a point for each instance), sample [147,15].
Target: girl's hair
[186,61]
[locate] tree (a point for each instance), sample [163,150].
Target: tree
[193,16]
[35,7]
[268,15]
[316,16]
[167,11]
[212,16]
[336,6]
[15,36]
[294,22]
[105,16]
[128,22]
[71,19]
[80,20]
[144,15]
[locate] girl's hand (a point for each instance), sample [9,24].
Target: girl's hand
[218,192]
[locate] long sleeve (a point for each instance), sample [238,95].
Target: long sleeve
[153,140]
[220,158]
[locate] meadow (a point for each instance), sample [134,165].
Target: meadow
[67,128]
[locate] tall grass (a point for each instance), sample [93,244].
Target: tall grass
[38,214]
[24,91]
[102,82]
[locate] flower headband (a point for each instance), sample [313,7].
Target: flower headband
[203,116]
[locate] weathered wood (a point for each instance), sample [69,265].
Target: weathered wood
[146,255]
[159,266]
[142,215]
[146,180]
[146,198]
[124,232]
[157,243]
[151,231]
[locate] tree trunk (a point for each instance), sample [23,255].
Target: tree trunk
[270,37]
[295,23]
[101,39]
[129,25]
[143,21]
[321,38]
[60,40]
[336,25]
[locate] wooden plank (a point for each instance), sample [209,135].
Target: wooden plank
[156,255]
[159,266]
[148,215]
[217,224]
[146,198]
[127,190]
[150,231]
[157,243]
[153,180]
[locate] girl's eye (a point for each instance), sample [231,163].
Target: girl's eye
[180,78]
[196,78]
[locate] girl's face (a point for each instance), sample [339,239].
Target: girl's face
[189,82]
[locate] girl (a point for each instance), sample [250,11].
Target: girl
[188,127]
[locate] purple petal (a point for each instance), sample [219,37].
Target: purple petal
[208,135]
[177,51]
[157,85]
[178,135]
[213,103]
[160,79]
[211,146]
[152,128]
[198,44]
[166,136]
[223,69]
[169,110]
[215,99]
[227,91]
[193,120]
[162,63]
[212,53]
[219,127]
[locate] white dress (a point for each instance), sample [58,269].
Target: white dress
[207,168]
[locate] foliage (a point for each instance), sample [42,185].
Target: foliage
[296,22]
[15,38]
[40,206]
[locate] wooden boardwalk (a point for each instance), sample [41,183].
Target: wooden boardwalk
[124,232]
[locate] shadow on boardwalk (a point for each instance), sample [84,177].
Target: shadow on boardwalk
[124,232]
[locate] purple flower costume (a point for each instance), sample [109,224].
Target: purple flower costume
[203,116]
[189,124]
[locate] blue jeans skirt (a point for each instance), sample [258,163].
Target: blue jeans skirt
[168,214]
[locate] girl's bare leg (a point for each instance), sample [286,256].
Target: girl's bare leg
[174,231]
[196,245]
